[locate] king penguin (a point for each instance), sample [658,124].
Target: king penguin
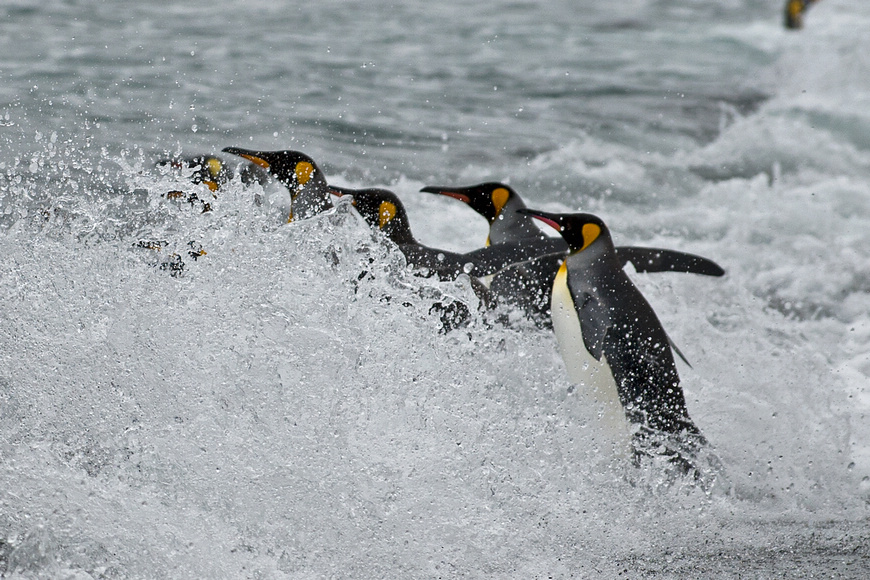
[384,211]
[213,172]
[527,286]
[615,347]
[298,173]
[794,12]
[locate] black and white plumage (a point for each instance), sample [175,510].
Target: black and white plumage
[614,345]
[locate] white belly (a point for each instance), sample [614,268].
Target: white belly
[596,387]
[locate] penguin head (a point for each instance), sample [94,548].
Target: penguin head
[794,13]
[297,172]
[382,210]
[580,230]
[488,199]
[208,169]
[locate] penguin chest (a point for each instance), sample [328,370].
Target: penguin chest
[594,378]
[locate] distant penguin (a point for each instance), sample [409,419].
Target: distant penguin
[383,211]
[298,173]
[614,345]
[527,286]
[794,13]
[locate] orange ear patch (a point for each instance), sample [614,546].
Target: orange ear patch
[590,234]
[214,166]
[386,213]
[499,198]
[304,171]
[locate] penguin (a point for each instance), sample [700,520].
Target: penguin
[297,172]
[527,286]
[383,211]
[207,169]
[615,347]
[213,172]
[794,13]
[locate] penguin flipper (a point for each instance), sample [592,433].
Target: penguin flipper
[594,323]
[446,265]
[492,259]
[478,263]
[661,260]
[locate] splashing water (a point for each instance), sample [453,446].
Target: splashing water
[287,405]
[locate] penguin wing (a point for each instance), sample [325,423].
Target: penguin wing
[492,259]
[660,260]
[447,265]
[594,322]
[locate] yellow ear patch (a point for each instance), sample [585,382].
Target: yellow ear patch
[214,166]
[499,197]
[304,171]
[795,8]
[590,234]
[212,185]
[386,213]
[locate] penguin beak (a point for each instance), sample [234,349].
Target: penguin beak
[256,157]
[338,191]
[551,219]
[448,192]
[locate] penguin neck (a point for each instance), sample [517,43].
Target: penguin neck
[510,226]
[311,199]
[600,251]
[400,234]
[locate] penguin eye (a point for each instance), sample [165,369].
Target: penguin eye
[303,171]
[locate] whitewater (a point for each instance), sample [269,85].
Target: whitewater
[287,405]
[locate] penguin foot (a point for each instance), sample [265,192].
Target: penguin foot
[675,458]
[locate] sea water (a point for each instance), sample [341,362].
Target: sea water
[289,406]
